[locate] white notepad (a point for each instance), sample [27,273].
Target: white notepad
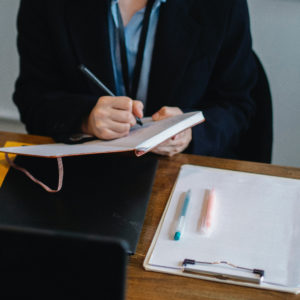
[141,139]
[256,225]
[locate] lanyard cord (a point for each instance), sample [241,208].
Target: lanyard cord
[132,90]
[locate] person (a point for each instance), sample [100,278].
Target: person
[195,55]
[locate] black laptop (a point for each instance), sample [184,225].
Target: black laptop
[51,265]
[105,195]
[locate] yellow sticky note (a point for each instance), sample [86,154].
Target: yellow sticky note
[4,166]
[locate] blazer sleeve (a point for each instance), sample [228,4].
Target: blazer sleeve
[47,103]
[227,104]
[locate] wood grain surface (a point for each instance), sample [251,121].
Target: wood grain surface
[148,285]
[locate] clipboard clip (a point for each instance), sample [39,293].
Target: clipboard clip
[223,270]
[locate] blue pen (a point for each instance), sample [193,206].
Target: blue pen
[181,220]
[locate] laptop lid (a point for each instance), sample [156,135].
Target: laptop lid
[42,264]
[104,195]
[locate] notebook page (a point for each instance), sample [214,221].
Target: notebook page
[138,135]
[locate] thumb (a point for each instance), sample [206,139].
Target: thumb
[156,116]
[159,115]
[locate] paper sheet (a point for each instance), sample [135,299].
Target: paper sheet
[256,223]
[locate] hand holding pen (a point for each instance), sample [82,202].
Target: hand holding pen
[112,116]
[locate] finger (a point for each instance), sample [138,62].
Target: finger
[122,103]
[137,108]
[179,135]
[163,151]
[166,147]
[171,147]
[175,137]
[118,127]
[122,116]
[166,112]
[173,141]
[161,114]
[108,134]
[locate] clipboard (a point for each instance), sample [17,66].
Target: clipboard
[255,239]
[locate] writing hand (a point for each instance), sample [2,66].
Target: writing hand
[112,117]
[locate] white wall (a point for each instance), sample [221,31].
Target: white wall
[8,57]
[276,36]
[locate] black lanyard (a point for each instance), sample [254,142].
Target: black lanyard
[131,89]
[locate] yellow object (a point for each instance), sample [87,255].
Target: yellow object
[4,166]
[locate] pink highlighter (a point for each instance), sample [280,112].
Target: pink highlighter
[208,209]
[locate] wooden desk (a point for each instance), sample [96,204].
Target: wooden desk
[144,285]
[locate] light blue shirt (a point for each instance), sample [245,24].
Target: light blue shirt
[132,37]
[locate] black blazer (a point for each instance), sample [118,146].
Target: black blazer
[202,60]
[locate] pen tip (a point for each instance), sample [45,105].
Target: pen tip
[81,67]
[177,236]
[138,120]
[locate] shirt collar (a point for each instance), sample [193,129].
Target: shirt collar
[157,1]
[156,5]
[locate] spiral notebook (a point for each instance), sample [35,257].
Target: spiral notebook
[255,235]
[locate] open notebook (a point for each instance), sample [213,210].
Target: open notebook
[256,226]
[140,140]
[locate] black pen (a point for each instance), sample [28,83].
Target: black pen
[92,77]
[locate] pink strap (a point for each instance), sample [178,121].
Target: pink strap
[44,186]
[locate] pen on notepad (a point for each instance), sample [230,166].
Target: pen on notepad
[181,220]
[93,78]
[208,212]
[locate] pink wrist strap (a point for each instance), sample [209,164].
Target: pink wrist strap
[44,186]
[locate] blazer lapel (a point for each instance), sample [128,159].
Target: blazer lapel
[91,41]
[176,38]
[178,33]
